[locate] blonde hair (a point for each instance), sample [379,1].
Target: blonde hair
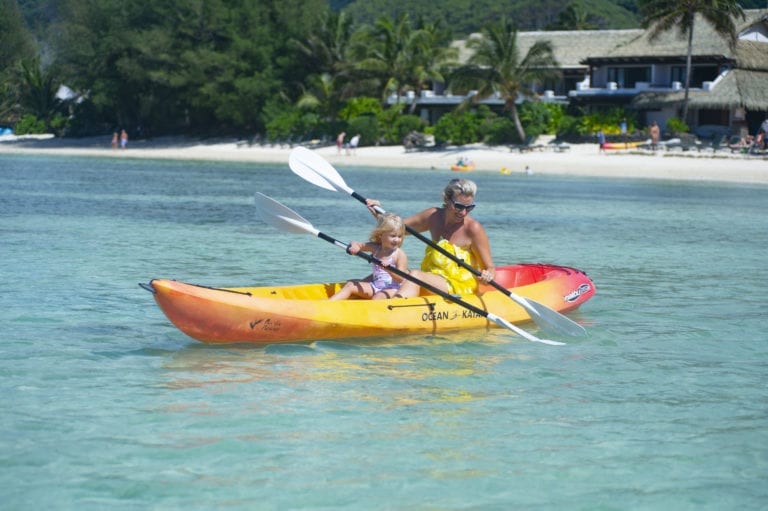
[385,223]
[459,187]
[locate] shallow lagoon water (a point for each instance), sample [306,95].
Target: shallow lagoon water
[107,406]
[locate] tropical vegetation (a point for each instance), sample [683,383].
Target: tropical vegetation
[497,67]
[283,70]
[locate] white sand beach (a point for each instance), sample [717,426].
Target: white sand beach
[577,160]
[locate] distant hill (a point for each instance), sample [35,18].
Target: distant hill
[467,16]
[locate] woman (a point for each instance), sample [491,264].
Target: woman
[451,227]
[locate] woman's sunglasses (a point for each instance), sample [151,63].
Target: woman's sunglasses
[461,207]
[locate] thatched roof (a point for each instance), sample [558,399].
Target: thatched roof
[752,55]
[739,88]
[570,46]
[670,45]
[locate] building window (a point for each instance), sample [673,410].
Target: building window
[699,74]
[627,77]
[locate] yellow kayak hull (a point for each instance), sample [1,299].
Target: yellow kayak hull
[275,314]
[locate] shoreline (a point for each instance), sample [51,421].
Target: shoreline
[579,160]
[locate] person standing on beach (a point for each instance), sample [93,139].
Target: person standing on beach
[655,133]
[623,129]
[761,134]
[114,140]
[340,142]
[452,229]
[123,139]
[600,141]
[353,144]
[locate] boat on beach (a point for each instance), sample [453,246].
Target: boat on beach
[625,145]
[303,313]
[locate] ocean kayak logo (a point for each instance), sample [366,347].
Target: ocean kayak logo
[440,315]
[265,325]
[574,295]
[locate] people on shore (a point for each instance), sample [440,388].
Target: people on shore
[385,244]
[464,161]
[453,229]
[123,139]
[623,130]
[114,140]
[655,133]
[600,141]
[353,143]
[340,142]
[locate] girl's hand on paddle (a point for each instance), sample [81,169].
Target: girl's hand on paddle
[354,247]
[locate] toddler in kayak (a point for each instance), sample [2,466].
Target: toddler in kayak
[385,241]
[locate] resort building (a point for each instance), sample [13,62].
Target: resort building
[626,68]
[728,86]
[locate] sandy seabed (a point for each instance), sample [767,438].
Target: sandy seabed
[576,160]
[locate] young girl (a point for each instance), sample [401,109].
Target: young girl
[385,243]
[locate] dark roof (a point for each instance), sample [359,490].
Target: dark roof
[669,45]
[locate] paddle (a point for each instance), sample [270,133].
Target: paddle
[316,169]
[284,218]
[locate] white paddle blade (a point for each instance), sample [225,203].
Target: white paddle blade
[312,167]
[549,318]
[519,331]
[281,217]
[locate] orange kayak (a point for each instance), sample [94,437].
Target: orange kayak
[275,314]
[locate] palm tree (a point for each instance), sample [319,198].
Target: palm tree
[573,17]
[37,91]
[385,53]
[321,96]
[431,53]
[402,57]
[496,67]
[326,52]
[664,15]
[326,49]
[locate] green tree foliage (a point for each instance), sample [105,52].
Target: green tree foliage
[181,65]
[676,126]
[465,17]
[496,67]
[367,127]
[608,120]
[384,52]
[328,71]
[325,48]
[574,17]
[16,45]
[457,128]
[663,15]
[35,91]
[401,56]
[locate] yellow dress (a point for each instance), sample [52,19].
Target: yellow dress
[460,280]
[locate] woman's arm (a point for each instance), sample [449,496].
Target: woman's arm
[482,250]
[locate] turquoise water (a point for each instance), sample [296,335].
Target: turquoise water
[105,405]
